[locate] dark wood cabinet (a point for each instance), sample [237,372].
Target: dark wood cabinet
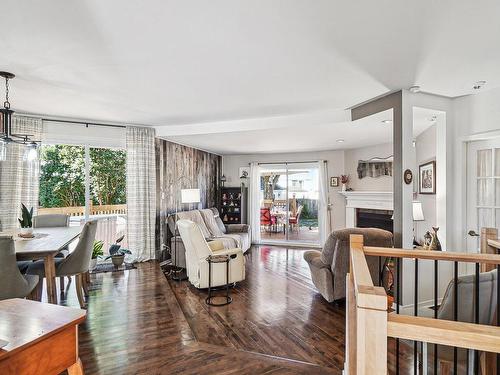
[233,205]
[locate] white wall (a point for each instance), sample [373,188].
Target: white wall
[352,156]
[425,151]
[335,159]
[476,117]
[443,108]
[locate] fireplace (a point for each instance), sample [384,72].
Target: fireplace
[369,218]
[376,209]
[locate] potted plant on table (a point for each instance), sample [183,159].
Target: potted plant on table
[96,253]
[117,254]
[26,221]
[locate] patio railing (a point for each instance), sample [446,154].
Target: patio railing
[109,209]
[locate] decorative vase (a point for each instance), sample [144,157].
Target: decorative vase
[118,260]
[26,232]
[93,263]
[344,187]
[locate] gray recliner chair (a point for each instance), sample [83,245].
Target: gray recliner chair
[75,264]
[329,267]
[13,284]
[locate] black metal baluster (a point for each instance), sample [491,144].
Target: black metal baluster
[476,315]
[415,313]
[455,312]
[380,278]
[436,289]
[398,285]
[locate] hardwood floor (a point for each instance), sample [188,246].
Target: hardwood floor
[141,323]
[275,311]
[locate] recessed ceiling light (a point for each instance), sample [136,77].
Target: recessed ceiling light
[340,140]
[386,121]
[415,89]
[479,85]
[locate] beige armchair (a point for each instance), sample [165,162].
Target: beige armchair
[197,251]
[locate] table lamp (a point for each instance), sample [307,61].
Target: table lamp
[418,215]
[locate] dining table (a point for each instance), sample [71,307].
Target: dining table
[45,244]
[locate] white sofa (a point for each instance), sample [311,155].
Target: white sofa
[232,235]
[197,251]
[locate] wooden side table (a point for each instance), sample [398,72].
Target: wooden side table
[41,338]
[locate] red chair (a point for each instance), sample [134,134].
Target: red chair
[294,220]
[266,219]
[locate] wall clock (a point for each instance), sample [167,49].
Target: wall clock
[408,177]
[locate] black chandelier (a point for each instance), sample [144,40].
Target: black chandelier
[6,135]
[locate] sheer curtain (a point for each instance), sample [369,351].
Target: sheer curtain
[324,227]
[254,201]
[141,192]
[19,178]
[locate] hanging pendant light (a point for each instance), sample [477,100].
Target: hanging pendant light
[6,135]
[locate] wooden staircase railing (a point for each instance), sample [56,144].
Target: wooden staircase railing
[368,324]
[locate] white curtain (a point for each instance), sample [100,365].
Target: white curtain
[324,226]
[141,192]
[254,202]
[19,178]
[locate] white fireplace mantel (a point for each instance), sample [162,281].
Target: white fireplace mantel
[374,200]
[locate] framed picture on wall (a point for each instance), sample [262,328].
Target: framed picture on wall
[427,178]
[334,181]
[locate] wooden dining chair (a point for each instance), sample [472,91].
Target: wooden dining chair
[75,264]
[52,221]
[13,284]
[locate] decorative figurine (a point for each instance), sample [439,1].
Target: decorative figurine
[435,244]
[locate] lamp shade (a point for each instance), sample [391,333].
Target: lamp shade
[190,195]
[418,213]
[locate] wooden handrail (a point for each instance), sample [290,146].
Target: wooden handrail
[366,318]
[367,295]
[368,325]
[494,242]
[432,255]
[444,332]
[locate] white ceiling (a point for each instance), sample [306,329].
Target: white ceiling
[209,63]
[367,131]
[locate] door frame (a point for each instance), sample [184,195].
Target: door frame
[286,242]
[463,146]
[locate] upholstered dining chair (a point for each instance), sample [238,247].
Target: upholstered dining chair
[197,252]
[51,221]
[13,284]
[75,264]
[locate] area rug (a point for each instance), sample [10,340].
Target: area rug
[110,267]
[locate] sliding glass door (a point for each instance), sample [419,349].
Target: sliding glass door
[289,203]
[85,183]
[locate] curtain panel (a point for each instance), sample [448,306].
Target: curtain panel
[324,225]
[141,192]
[254,202]
[19,178]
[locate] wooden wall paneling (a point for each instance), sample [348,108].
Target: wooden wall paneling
[182,167]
